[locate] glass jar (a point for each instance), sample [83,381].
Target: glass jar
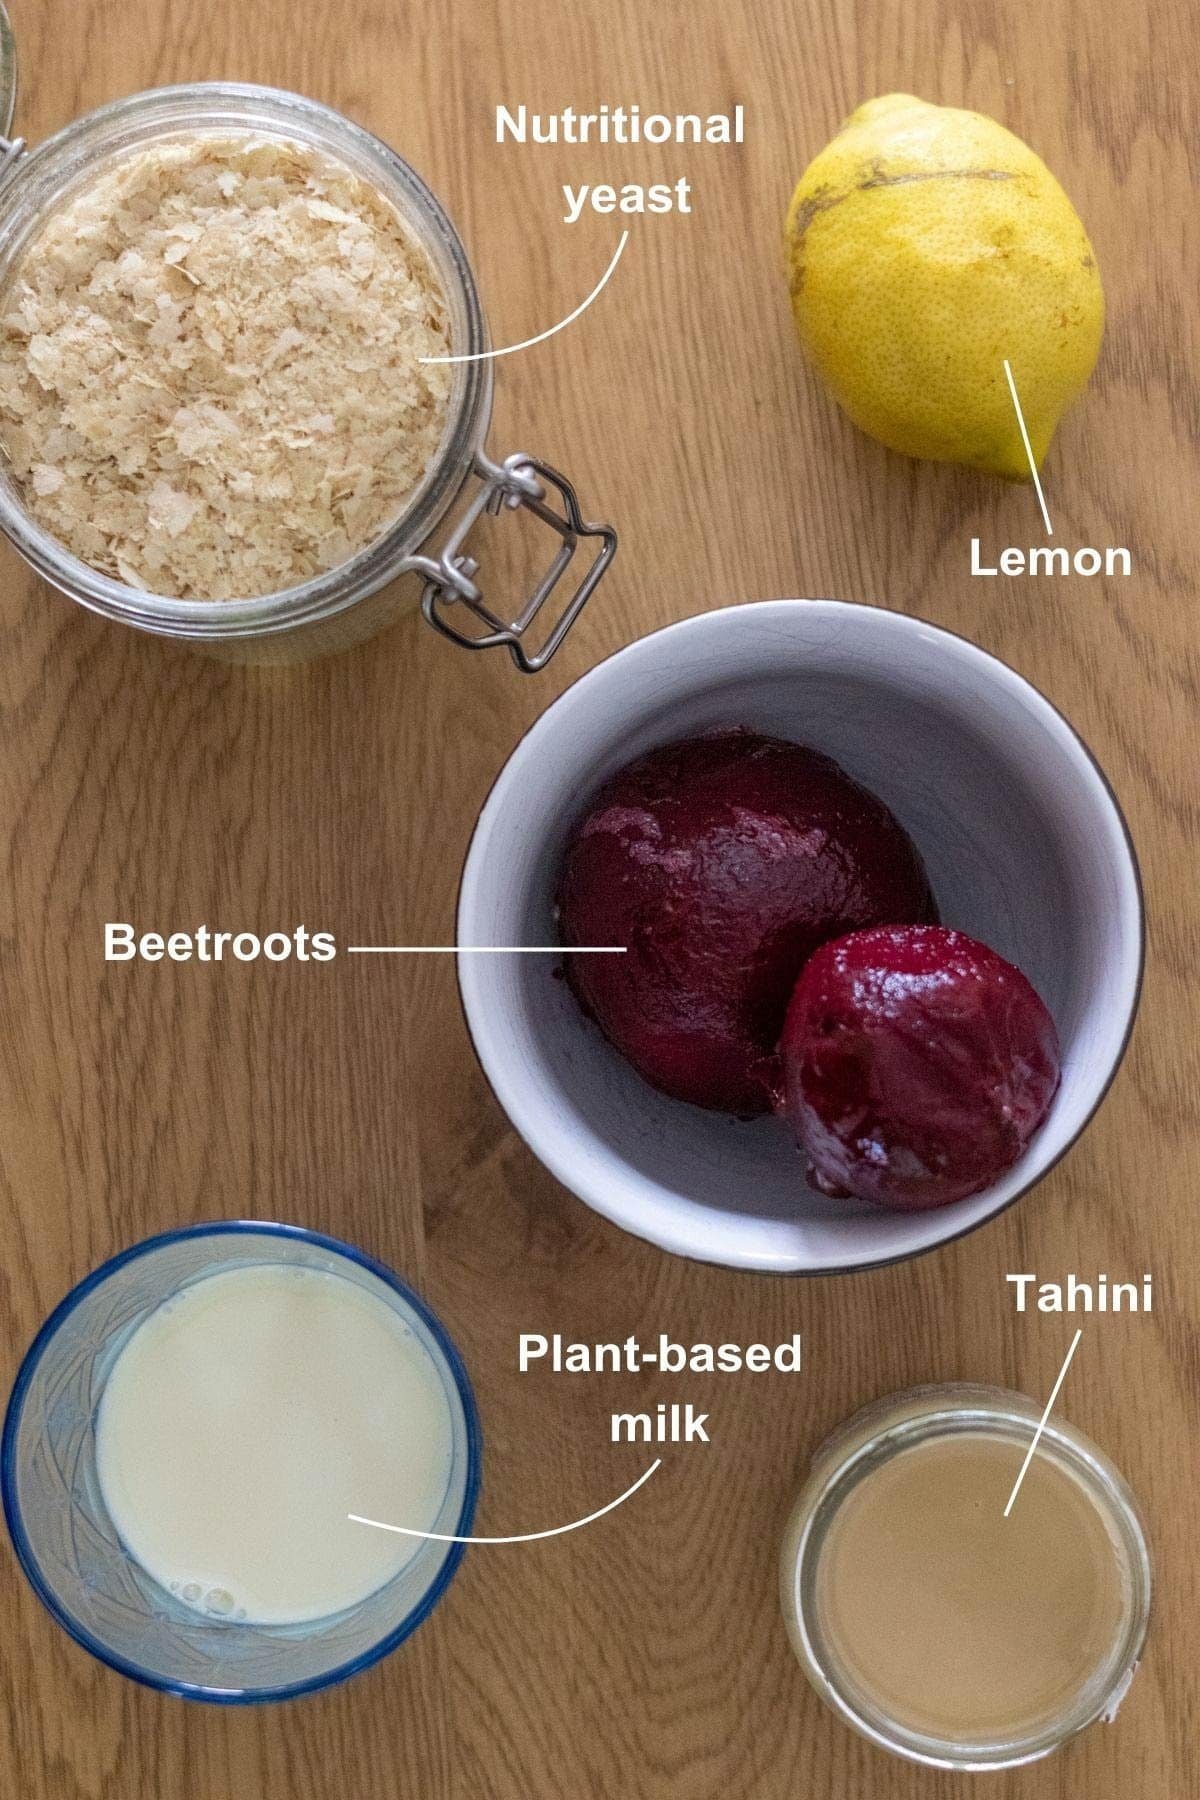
[868,1441]
[350,602]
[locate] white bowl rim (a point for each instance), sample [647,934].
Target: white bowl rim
[507,1093]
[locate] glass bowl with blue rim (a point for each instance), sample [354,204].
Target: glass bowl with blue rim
[67,1543]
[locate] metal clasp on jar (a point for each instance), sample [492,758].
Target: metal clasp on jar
[520,481]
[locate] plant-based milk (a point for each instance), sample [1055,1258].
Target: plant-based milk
[246,1417]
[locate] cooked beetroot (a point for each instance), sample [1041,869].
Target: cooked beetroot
[917,1065]
[722,863]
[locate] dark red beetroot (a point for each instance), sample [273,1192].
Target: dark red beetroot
[721,863]
[917,1065]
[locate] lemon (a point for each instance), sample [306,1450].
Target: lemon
[925,245]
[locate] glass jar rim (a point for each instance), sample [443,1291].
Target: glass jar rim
[899,1422]
[207,105]
[8,72]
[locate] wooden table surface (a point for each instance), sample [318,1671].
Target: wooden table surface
[643,1657]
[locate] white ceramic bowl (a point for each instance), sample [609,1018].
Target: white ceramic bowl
[1025,846]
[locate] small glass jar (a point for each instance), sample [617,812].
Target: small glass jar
[868,1441]
[354,600]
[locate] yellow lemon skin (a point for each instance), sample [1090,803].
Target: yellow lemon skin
[924,246]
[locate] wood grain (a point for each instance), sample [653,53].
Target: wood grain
[643,1657]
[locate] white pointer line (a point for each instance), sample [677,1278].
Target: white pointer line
[1033,470]
[527,343]
[528,1537]
[1062,1374]
[486,949]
